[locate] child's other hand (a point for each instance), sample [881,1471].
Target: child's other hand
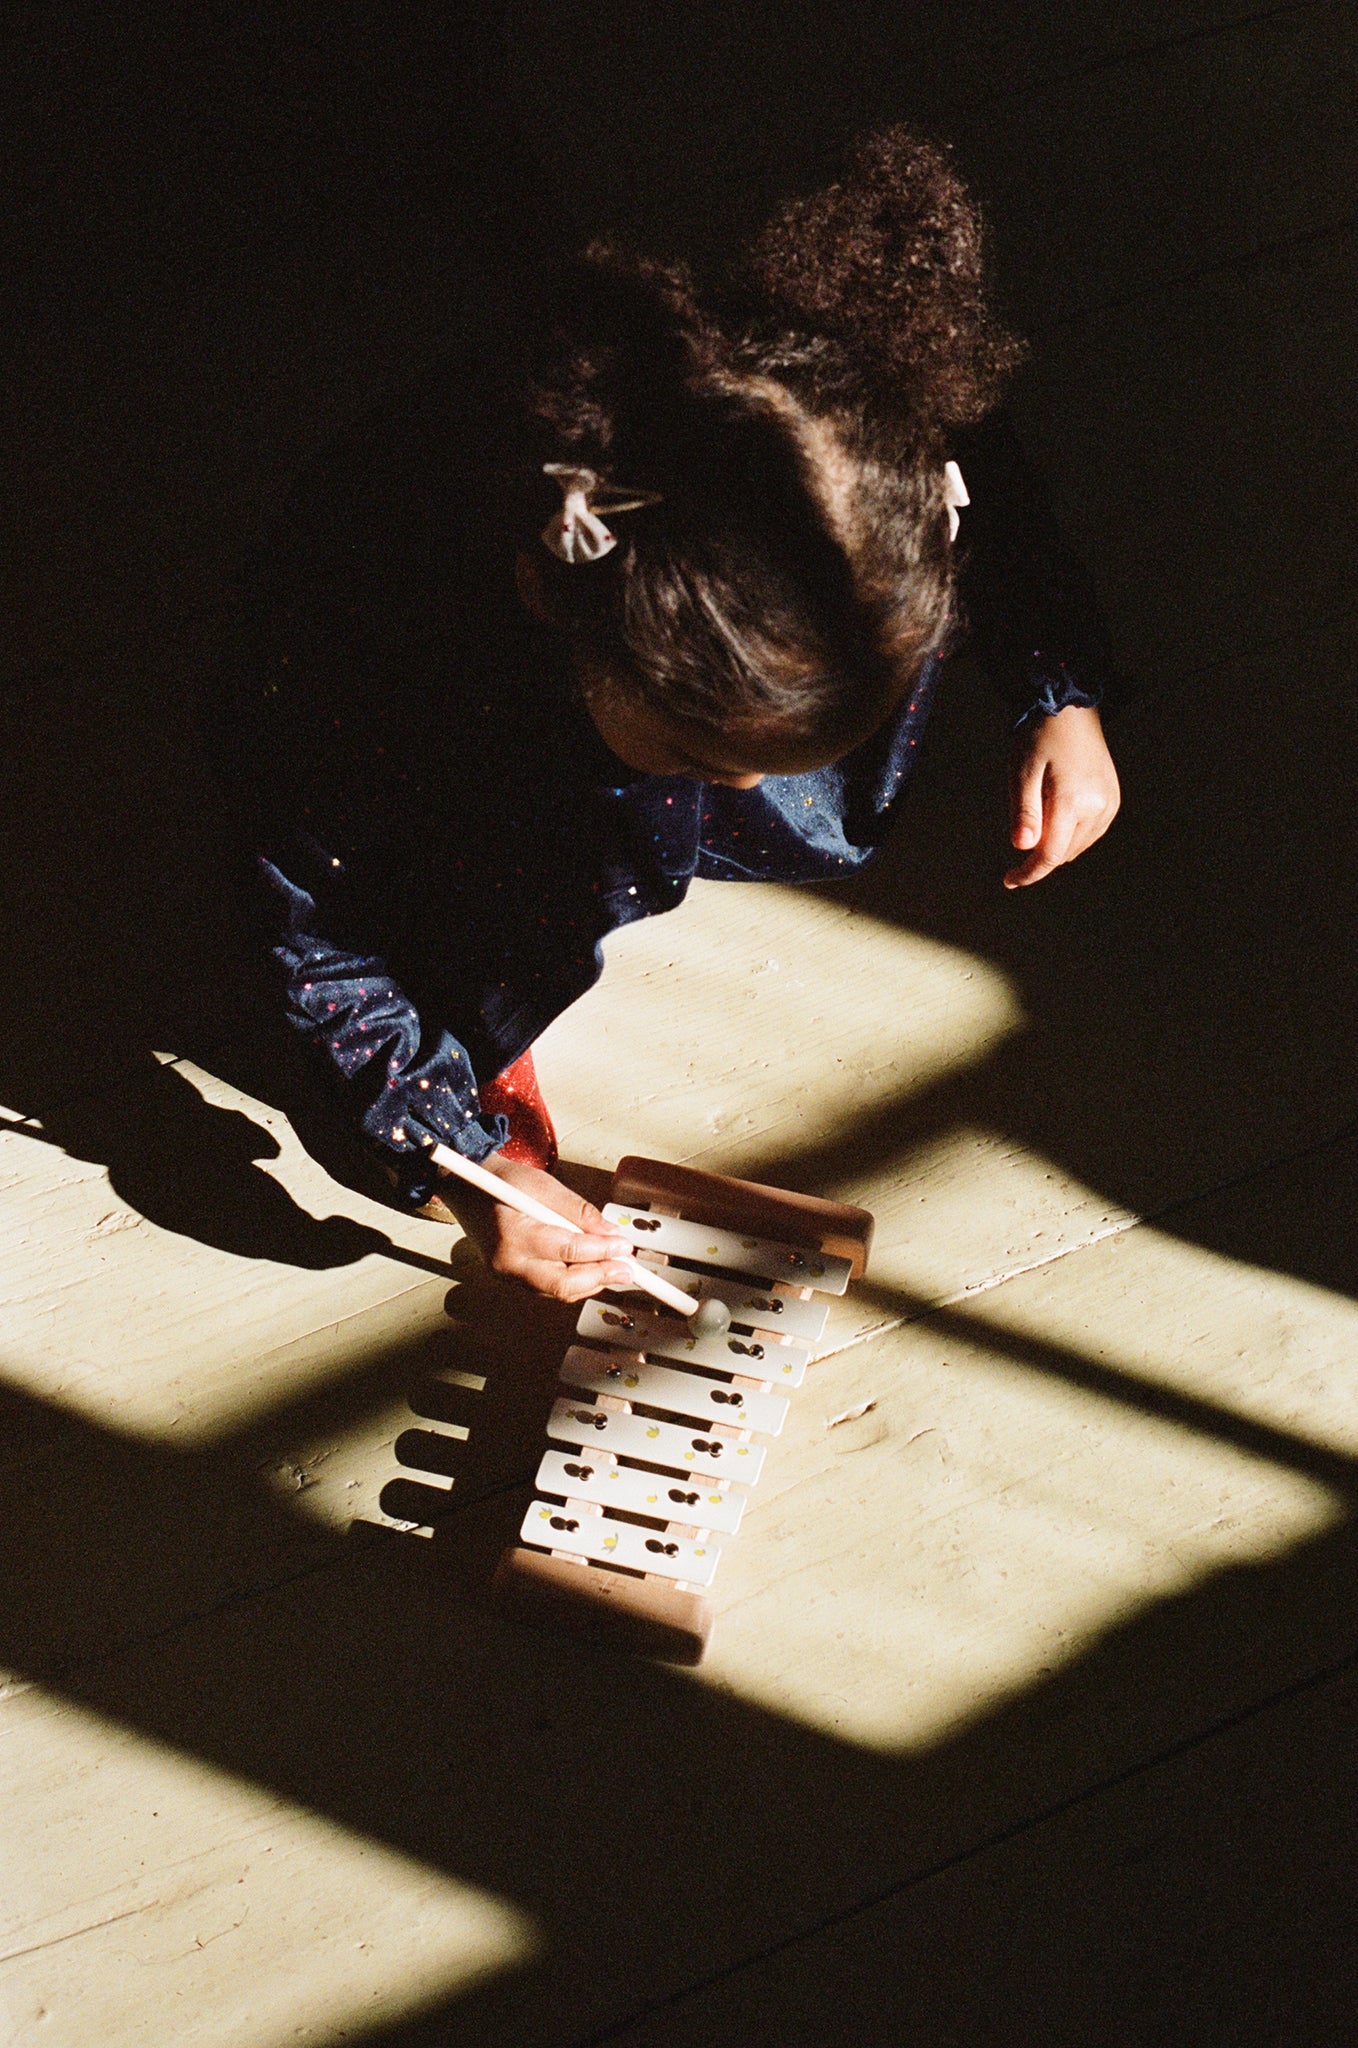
[553,1262]
[1063,792]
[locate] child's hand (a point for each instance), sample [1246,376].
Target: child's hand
[554,1262]
[1063,792]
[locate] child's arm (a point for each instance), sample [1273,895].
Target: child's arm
[405,1084]
[409,1086]
[1027,598]
[1040,631]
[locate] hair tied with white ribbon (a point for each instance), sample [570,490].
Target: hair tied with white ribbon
[576,531]
[954,496]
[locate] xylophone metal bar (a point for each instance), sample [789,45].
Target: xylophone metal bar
[565,1571]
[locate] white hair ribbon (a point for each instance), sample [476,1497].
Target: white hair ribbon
[954,496]
[576,532]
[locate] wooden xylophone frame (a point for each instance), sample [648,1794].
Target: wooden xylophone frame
[642,1612]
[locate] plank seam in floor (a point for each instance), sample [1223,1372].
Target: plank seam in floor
[108,642]
[59,1673]
[1138,53]
[337,1323]
[1318,626]
[1310,1682]
[54,1941]
[1175,282]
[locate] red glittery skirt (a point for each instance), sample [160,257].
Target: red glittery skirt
[515,1094]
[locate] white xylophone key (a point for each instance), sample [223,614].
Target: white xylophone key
[676,1393]
[684,1451]
[731,1250]
[596,1476]
[758,1308]
[552,1527]
[759,1356]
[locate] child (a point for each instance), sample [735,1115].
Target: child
[532,650]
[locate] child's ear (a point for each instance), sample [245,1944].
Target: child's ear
[528,577]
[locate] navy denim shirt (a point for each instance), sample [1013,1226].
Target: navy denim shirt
[440,841]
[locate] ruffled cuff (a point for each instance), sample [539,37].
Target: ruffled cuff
[1054,687]
[415,1178]
[409,1093]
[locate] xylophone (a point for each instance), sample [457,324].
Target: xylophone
[652,1444]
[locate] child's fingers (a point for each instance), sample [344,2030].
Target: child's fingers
[1025,802]
[565,1265]
[577,1283]
[590,1251]
[539,1242]
[583,1214]
[1053,850]
[598,1225]
[567,1279]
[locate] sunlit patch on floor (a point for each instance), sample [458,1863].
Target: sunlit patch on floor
[1039,1465]
[722,1049]
[298,1926]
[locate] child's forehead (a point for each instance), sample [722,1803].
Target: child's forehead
[771,746]
[773,753]
[765,747]
[640,729]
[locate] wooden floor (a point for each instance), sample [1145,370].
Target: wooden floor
[1031,1714]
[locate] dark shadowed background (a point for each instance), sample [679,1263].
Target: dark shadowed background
[228,230]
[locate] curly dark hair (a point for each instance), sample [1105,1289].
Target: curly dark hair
[796,571]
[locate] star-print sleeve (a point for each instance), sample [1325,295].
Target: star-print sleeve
[1028,600]
[408,1083]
